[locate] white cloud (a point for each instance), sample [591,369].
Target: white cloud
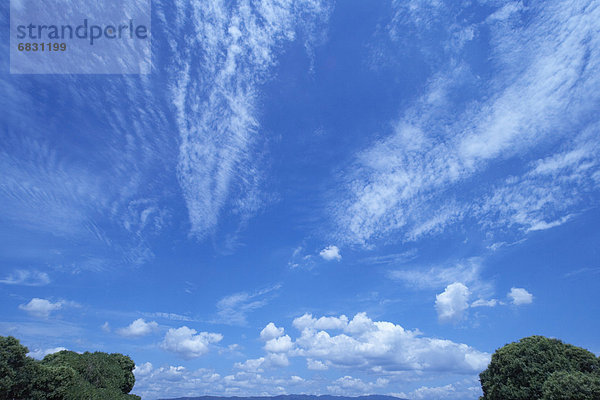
[251,365]
[331,253]
[40,353]
[143,369]
[316,365]
[41,308]
[169,316]
[520,296]
[307,321]
[465,389]
[188,343]
[217,119]
[259,364]
[26,278]
[105,327]
[347,385]
[380,347]
[68,198]
[234,308]
[138,328]
[279,345]
[177,381]
[466,271]
[277,360]
[543,225]
[301,260]
[423,178]
[452,303]
[271,332]
[485,303]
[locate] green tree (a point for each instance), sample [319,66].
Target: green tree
[576,385]
[13,362]
[108,374]
[536,367]
[65,375]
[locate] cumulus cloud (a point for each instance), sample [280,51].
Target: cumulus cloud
[348,385]
[41,308]
[307,321]
[138,328]
[379,346]
[26,278]
[178,381]
[452,303]
[520,296]
[259,364]
[143,369]
[465,389]
[188,343]
[331,253]
[316,365]
[279,345]
[251,365]
[271,332]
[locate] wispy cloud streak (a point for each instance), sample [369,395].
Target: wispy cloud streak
[440,164]
[229,52]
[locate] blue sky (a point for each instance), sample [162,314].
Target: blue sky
[311,197]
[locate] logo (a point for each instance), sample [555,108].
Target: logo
[82,37]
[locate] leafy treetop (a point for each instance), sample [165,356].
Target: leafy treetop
[64,375]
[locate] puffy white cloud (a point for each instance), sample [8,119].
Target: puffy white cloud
[251,365]
[38,354]
[308,321]
[41,308]
[316,365]
[138,328]
[520,296]
[177,381]
[452,303]
[380,346]
[143,369]
[331,253]
[26,278]
[271,332]
[279,345]
[188,343]
[347,385]
[258,364]
[277,360]
[468,388]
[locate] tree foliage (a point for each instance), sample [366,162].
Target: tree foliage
[540,368]
[65,375]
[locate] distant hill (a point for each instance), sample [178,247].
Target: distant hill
[291,397]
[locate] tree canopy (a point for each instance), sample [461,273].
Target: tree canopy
[64,375]
[537,368]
